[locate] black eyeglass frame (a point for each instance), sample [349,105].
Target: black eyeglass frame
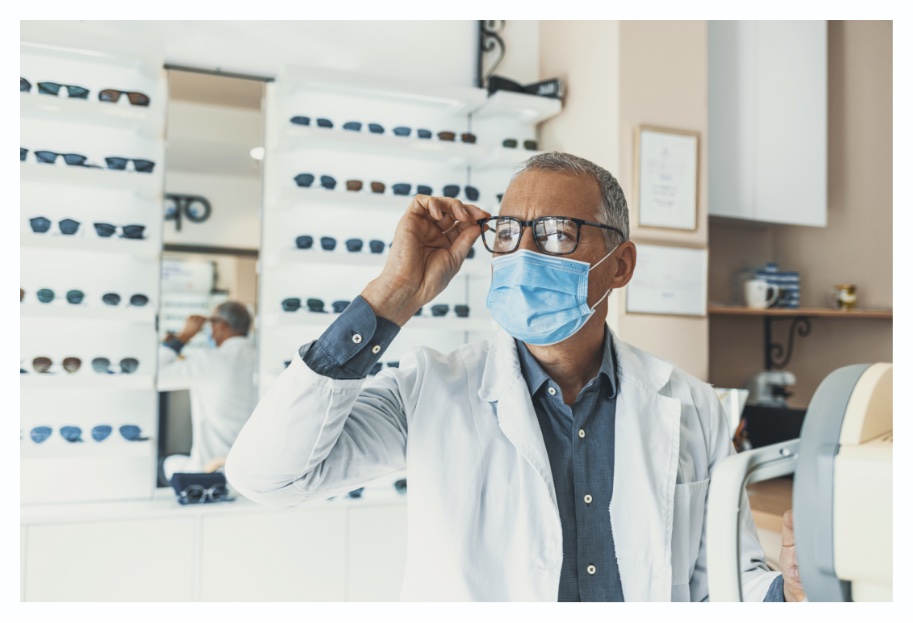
[483,223]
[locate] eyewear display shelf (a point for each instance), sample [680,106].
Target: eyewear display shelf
[330,175]
[90,252]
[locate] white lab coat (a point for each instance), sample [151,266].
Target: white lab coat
[483,521]
[222,395]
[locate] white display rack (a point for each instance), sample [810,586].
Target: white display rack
[504,157]
[90,471]
[293,197]
[65,311]
[448,323]
[142,184]
[477,266]
[451,100]
[522,107]
[135,118]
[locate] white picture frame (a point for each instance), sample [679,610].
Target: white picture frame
[666,178]
[668,280]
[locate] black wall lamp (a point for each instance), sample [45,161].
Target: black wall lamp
[194,208]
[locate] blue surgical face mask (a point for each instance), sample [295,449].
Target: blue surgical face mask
[540,299]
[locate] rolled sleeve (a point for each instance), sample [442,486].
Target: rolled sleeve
[775,592]
[350,347]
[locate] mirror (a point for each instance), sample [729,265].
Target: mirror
[211,242]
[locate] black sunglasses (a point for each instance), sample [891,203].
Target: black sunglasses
[452,190]
[50,157]
[120,164]
[113,95]
[113,298]
[24,85]
[198,494]
[527,144]
[40,225]
[106,230]
[53,88]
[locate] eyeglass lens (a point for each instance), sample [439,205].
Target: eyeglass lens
[552,235]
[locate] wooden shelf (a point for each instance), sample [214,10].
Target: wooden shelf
[806,312]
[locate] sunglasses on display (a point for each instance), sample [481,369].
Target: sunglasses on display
[113,95]
[327,243]
[400,485]
[46,295]
[74,160]
[118,163]
[554,235]
[53,88]
[441,309]
[73,434]
[527,144]
[294,304]
[340,306]
[321,122]
[305,180]
[23,153]
[355,126]
[24,85]
[106,230]
[41,225]
[354,245]
[102,365]
[452,190]
[43,365]
[113,298]
[198,494]
[355,493]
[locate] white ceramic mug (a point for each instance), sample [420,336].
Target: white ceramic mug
[759,294]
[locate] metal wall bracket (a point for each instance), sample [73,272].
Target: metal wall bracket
[775,356]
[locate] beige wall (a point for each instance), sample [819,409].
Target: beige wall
[856,246]
[618,77]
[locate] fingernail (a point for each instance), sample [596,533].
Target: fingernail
[794,573]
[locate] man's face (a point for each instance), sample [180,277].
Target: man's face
[219,327]
[545,193]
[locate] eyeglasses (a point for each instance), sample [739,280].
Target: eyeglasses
[554,235]
[446,135]
[340,306]
[304,242]
[354,245]
[41,225]
[355,126]
[120,164]
[198,494]
[378,187]
[402,131]
[294,304]
[113,95]
[328,182]
[73,434]
[468,137]
[102,365]
[327,243]
[304,180]
[527,144]
[53,88]
[113,298]
[44,365]
[46,295]
[50,157]
[402,189]
[106,230]
[452,190]
[376,246]
[354,185]
[422,133]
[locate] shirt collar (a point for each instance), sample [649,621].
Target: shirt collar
[536,377]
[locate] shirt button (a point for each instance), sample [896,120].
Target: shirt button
[551,391]
[356,338]
[588,498]
[581,433]
[591,569]
[376,349]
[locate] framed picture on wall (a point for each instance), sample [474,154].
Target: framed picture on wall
[666,177]
[668,281]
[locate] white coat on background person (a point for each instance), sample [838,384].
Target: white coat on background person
[221,384]
[483,516]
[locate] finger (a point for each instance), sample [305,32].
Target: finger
[788,537]
[464,241]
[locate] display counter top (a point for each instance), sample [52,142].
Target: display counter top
[164,504]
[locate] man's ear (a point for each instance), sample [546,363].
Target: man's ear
[626,259]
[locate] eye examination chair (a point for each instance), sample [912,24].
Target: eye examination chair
[842,492]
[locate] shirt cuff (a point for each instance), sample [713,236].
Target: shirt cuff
[350,347]
[775,591]
[173,343]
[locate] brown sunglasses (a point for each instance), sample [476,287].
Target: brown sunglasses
[43,364]
[113,95]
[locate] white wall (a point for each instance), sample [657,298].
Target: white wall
[435,52]
[235,218]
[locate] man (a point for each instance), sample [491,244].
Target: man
[221,384]
[553,461]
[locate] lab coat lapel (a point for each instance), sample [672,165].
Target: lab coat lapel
[504,385]
[646,461]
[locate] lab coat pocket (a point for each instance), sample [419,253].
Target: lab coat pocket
[688,523]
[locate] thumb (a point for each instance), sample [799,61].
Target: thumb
[788,536]
[469,233]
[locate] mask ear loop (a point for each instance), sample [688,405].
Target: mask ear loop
[609,291]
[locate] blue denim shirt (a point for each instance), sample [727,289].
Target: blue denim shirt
[581,465]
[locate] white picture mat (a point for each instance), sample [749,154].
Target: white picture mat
[668,280]
[668,180]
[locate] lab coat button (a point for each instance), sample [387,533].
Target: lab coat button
[551,391]
[376,349]
[356,338]
[581,434]
[588,498]
[591,569]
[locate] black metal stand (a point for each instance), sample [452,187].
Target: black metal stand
[489,41]
[774,354]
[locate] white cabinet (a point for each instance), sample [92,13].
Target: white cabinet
[767,109]
[376,552]
[110,561]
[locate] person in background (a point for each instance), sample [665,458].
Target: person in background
[553,461]
[221,384]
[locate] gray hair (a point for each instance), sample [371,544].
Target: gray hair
[235,316]
[613,209]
